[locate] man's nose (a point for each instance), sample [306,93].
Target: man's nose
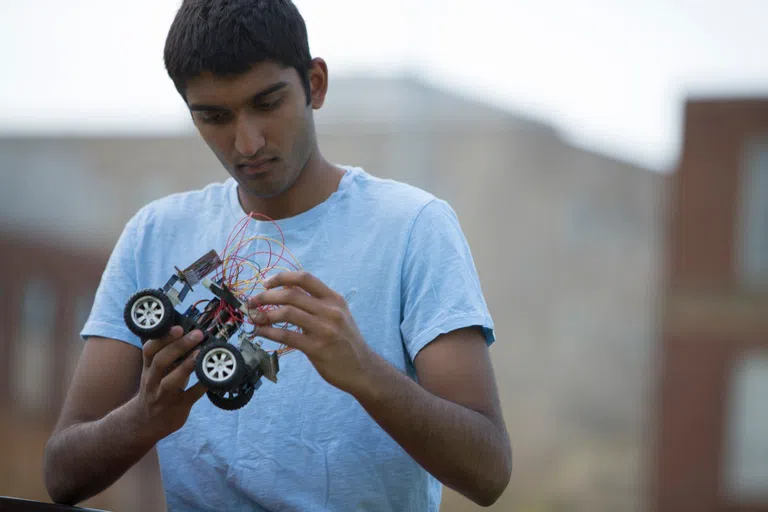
[249,138]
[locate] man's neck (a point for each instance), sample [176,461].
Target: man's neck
[317,181]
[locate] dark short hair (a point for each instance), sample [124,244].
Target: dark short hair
[228,37]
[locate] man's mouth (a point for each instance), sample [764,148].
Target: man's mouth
[257,166]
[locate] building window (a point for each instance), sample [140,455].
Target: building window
[33,354]
[753,247]
[746,464]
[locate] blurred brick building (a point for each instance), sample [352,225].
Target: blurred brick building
[712,438]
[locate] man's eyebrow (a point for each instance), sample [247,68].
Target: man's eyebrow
[267,91]
[254,99]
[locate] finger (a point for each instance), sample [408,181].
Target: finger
[305,280]
[282,297]
[164,360]
[294,316]
[169,355]
[153,346]
[194,394]
[176,381]
[290,338]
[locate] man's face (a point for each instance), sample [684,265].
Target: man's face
[258,124]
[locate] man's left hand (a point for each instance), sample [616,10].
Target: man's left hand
[330,337]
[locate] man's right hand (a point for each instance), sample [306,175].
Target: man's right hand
[120,403]
[163,402]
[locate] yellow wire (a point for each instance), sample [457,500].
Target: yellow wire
[240,286]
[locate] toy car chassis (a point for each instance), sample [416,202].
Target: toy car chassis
[232,373]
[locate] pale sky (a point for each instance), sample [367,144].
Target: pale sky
[611,74]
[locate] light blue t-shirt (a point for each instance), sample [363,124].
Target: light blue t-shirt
[397,253]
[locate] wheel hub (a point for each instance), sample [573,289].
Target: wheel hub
[219,365]
[147,312]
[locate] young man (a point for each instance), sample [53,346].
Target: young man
[391,392]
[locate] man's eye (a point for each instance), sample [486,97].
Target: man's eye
[213,117]
[269,105]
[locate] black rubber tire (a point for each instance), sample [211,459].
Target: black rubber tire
[154,327]
[238,373]
[232,400]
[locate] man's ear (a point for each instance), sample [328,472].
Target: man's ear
[318,82]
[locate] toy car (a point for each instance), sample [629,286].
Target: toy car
[232,373]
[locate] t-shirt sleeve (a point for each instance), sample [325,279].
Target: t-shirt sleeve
[118,282]
[441,288]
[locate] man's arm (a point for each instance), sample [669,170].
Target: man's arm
[450,422]
[97,437]
[121,402]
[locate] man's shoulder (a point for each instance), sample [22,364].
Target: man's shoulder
[394,197]
[212,194]
[211,199]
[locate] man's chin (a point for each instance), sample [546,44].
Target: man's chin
[262,186]
[260,190]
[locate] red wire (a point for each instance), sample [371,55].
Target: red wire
[234,266]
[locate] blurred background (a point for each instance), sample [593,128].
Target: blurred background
[609,164]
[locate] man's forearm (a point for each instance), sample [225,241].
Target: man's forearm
[86,458]
[462,448]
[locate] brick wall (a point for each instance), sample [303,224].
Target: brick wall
[709,320]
